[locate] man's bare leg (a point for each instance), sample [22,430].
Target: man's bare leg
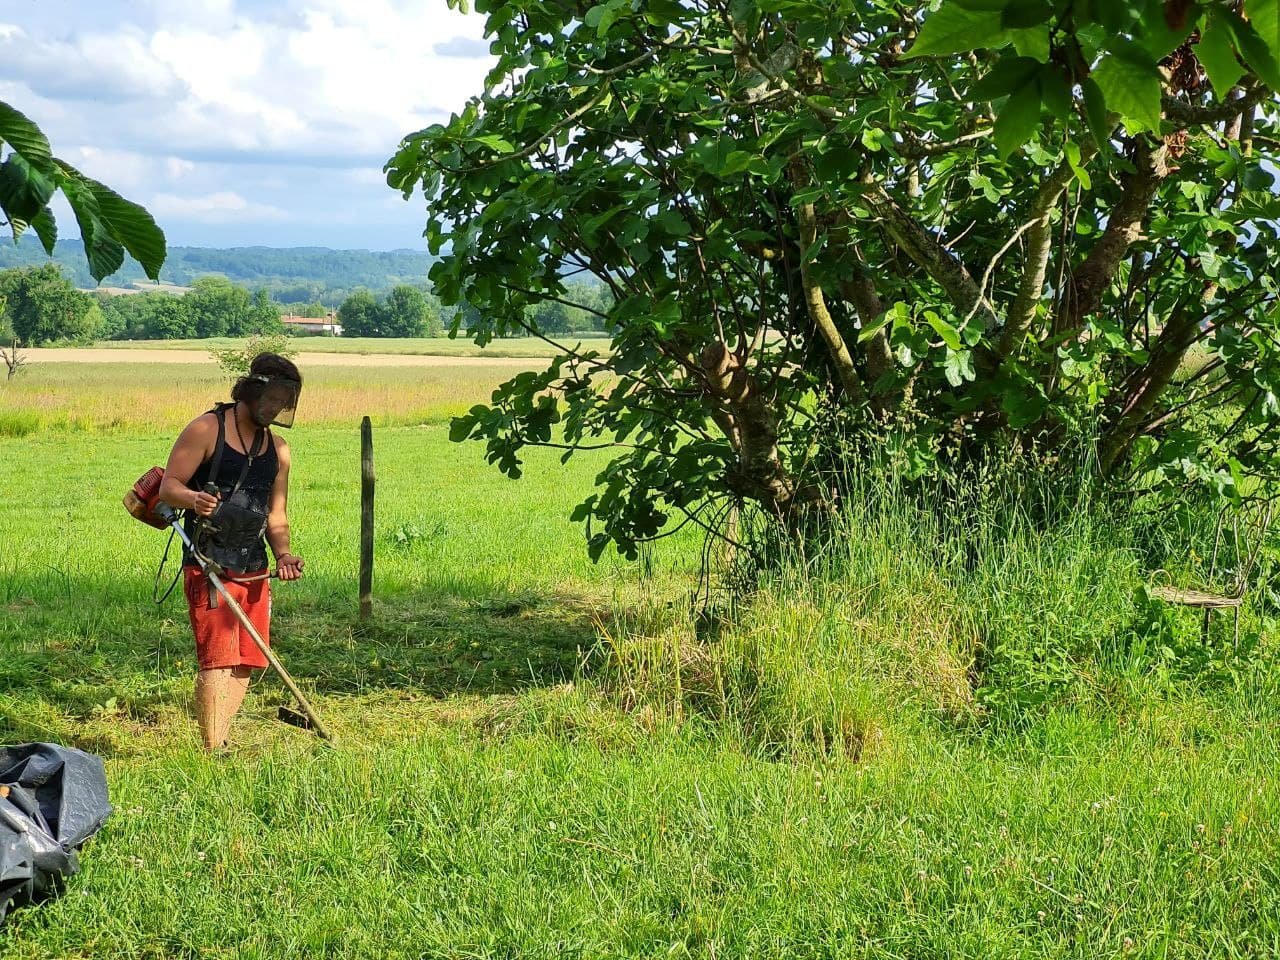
[237,687]
[212,697]
[219,694]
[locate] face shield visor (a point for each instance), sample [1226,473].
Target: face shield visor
[272,401]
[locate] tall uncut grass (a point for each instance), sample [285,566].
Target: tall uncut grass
[980,603]
[128,398]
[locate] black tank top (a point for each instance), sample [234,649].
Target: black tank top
[237,549]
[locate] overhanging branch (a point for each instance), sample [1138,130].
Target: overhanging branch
[930,255]
[1039,247]
[1190,115]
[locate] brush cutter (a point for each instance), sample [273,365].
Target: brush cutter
[308,719]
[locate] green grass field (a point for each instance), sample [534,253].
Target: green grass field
[414,346]
[536,757]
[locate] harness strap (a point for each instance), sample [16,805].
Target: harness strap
[215,464]
[215,468]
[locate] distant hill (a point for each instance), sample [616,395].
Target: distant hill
[289,274]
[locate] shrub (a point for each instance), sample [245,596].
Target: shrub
[235,361]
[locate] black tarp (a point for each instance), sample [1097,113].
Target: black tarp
[52,799]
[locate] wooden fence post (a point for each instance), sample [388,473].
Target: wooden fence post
[366,519]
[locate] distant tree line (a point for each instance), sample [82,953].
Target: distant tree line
[583,310]
[42,306]
[404,312]
[315,310]
[289,275]
[410,312]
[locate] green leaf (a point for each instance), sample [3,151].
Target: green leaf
[1157,37]
[1032,42]
[104,253]
[874,327]
[1095,111]
[959,367]
[1023,408]
[1021,14]
[1008,75]
[1055,91]
[955,29]
[876,139]
[24,192]
[736,162]
[460,427]
[602,16]
[1257,53]
[496,143]
[1072,152]
[131,226]
[950,336]
[1131,85]
[712,154]
[1218,57]
[1254,176]
[1018,120]
[46,229]
[24,136]
[1265,17]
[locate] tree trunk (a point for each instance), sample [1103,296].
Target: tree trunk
[1146,385]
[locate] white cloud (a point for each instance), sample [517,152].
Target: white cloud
[109,67]
[225,206]
[176,168]
[231,110]
[122,169]
[296,78]
[368,177]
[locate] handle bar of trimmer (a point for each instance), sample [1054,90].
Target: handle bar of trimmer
[167,513]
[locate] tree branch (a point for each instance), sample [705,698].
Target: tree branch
[1189,115]
[1090,280]
[813,294]
[861,292]
[1147,384]
[1039,246]
[913,149]
[928,253]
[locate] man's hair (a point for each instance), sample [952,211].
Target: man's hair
[270,365]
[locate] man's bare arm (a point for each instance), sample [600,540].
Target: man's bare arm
[193,446]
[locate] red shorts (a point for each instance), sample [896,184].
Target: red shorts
[221,640]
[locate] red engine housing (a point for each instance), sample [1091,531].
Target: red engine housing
[142,499]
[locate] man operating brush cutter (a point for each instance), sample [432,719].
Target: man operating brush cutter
[230,472]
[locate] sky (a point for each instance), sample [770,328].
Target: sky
[244,122]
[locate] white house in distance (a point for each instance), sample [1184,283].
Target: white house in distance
[324,325]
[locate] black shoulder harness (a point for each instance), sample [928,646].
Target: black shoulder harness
[215,463]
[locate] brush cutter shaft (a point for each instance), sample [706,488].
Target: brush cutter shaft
[272,659]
